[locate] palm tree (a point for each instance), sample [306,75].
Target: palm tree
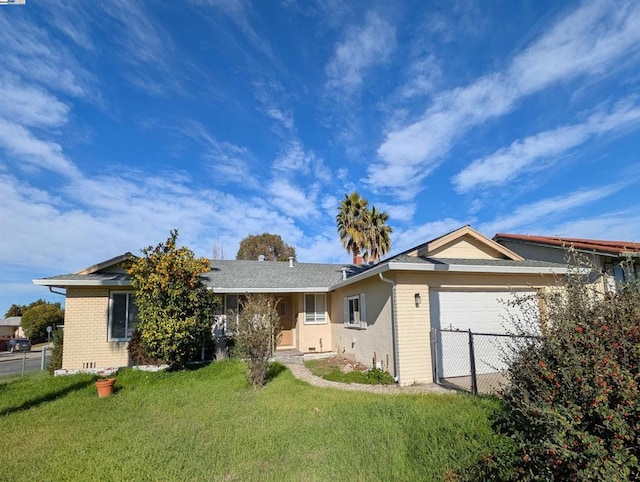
[351,221]
[377,235]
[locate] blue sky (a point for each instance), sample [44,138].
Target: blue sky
[121,120]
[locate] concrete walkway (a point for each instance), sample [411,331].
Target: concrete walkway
[294,361]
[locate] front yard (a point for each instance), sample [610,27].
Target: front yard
[210,425]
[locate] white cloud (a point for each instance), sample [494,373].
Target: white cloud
[622,225]
[404,239]
[422,75]
[238,11]
[507,163]
[31,53]
[322,249]
[292,200]
[398,212]
[362,47]
[296,160]
[34,152]
[585,42]
[285,118]
[549,209]
[229,162]
[29,105]
[96,218]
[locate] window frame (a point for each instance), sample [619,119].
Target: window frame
[361,322]
[130,295]
[317,320]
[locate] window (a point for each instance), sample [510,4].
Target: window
[615,273]
[315,308]
[355,309]
[123,315]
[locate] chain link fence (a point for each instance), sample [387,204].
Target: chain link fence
[473,362]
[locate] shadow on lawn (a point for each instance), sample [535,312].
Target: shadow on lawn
[49,397]
[274,370]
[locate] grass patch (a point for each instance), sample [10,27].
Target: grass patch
[209,424]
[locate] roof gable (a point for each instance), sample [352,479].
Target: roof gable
[113,265]
[464,243]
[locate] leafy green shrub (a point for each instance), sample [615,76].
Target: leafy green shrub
[55,362]
[375,376]
[138,354]
[572,408]
[175,309]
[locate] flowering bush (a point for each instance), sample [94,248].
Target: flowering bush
[572,409]
[175,308]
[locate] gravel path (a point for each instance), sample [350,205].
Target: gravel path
[295,364]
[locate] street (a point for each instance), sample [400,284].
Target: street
[11,363]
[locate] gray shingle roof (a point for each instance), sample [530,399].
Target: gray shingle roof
[241,275]
[11,321]
[232,276]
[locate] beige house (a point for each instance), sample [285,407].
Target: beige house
[10,327]
[380,314]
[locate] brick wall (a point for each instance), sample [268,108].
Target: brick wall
[86,331]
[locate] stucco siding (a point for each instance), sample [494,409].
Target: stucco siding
[308,336]
[86,332]
[376,340]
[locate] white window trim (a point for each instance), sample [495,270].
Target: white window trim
[129,295]
[315,320]
[360,324]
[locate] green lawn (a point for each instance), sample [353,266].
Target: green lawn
[210,425]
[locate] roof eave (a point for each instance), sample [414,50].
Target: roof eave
[480,268]
[66,283]
[307,289]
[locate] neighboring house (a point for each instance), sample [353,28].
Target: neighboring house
[10,327]
[383,312]
[615,260]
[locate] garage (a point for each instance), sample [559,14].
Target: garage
[478,311]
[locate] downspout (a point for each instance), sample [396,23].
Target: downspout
[393,325]
[56,292]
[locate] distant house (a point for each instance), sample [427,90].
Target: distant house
[609,257]
[10,327]
[383,312]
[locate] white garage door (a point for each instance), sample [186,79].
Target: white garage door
[478,311]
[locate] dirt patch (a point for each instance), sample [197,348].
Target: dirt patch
[341,363]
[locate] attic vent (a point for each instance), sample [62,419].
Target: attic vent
[290,261]
[261,257]
[344,273]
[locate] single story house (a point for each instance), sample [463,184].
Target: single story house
[10,327]
[380,314]
[608,257]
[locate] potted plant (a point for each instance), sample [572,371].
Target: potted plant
[105,386]
[106,382]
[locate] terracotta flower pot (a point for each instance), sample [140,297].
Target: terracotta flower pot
[105,387]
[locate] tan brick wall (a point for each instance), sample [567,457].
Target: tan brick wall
[86,331]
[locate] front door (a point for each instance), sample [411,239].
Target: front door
[286,323]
